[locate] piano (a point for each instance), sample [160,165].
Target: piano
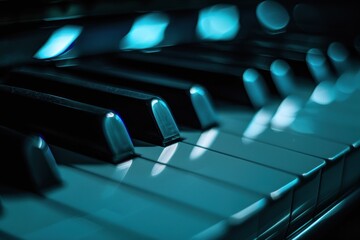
[207,119]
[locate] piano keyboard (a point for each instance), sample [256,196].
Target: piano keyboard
[252,137]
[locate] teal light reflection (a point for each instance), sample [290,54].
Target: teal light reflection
[339,56]
[304,125]
[272,16]
[258,124]
[286,113]
[205,140]
[165,156]
[147,31]
[59,42]
[218,22]
[346,83]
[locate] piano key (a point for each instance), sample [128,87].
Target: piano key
[317,147]
[238,172]
[319,66]
[294,54]
[338,133]
[190,103]
[86,128]
[286,80]
[307,168]
[205,74]
[30,216]
[309,126]
[146,117]
[283,77]
[27,162]
[130,193]
[194,57]
[335,154]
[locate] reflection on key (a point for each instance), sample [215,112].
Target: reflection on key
[188,195]
[272,16]
[206,139]
[29,216]
[286,113]
[255,87]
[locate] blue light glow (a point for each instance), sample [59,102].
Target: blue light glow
[283,77]
[346,83]
[272,15]
[59,42]
[147,31]
[218,22]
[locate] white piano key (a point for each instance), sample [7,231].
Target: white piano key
[204,201]
[307,168]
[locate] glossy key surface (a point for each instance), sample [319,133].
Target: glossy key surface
[146,116]
[86,128]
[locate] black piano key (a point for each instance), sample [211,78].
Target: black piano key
[27,162]
[340,57]
[255,49]
[30,216]
[86,128]
[260,62]
[190,103]
[146,117]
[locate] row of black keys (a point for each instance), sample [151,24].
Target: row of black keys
[325,171]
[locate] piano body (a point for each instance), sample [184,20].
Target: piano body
[179,120]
